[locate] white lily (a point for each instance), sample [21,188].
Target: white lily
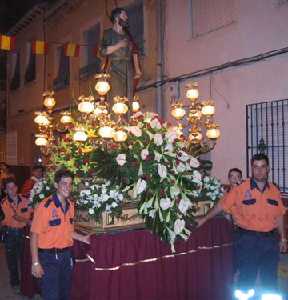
[155,124]
[184,205]
[162,171]
[179,225]
[135,130]
[139,188]
[165,203]
[144,154]
[157,156]
[158,140]
[194,162]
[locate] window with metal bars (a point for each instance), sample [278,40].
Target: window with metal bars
[267,132]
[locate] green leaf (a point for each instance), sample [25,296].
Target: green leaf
[160,215]
[168,217]
[140,171]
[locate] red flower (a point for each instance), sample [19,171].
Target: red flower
[162,193]
[178,199]
[149,157]
[146,177]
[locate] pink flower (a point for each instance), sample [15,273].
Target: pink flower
[121,159]
[144,154]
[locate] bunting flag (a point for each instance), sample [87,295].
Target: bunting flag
[7,42]
[71,49]
[39,47]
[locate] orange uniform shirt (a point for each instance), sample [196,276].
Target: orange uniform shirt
[22,209]
[252,209]
[53,226]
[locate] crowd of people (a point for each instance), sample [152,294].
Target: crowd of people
[254,204]
[51,231]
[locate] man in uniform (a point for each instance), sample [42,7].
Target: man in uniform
[257,210]
[52,234]
[36,176]
[17,214]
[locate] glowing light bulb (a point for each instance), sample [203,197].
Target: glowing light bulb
[41,140]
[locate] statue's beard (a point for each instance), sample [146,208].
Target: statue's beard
[123,23]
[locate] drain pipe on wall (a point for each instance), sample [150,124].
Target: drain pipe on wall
[160,101]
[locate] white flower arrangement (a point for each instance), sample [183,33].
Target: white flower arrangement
[212,189]
[167,181]
[98,198]
[40,191]
[153,167]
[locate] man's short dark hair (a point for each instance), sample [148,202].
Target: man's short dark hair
[115,13]
[7,181]
[235,170]
[62,173]
[260,156]
[38,167]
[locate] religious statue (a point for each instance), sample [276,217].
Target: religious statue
[121,52]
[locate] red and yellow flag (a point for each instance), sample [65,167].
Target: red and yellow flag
[7,42]
[71,49]
[39,47]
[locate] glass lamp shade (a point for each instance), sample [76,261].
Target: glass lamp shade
[66,119]
[86,107]
[213,133]
[193,93]
[106,132]
[49,102]
[79,135]
[208,108]
[120,108]
[135,106]
[178,112]
[97,111]
[41,119]
[195,114]
[41,140]
[120,136]
[102,87]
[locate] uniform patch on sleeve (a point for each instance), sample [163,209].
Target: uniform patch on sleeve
[249,201]
[55,222]
[272,202]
